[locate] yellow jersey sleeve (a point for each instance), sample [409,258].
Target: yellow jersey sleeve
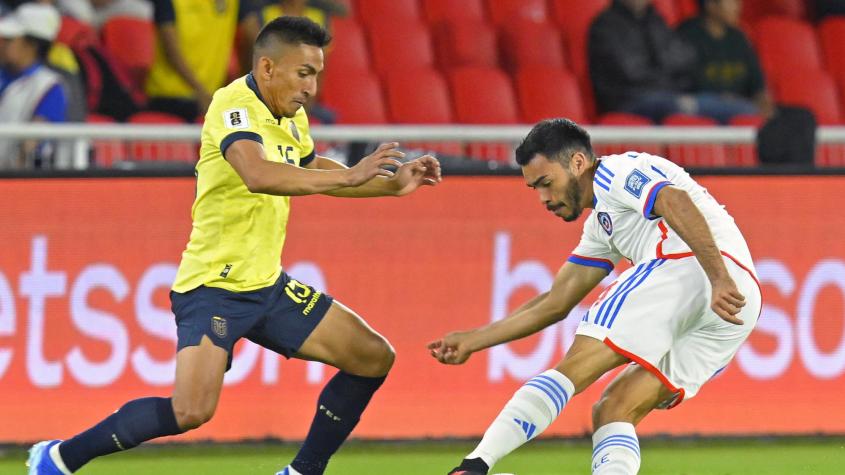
[229,120]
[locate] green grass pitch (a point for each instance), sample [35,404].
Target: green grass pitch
[680,457]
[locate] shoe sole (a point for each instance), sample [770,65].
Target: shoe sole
[35,454]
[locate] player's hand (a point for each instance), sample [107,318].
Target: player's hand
[424,171]
[373,165]
[727,300]
[453,348]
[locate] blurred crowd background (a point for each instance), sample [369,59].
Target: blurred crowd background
[604,62]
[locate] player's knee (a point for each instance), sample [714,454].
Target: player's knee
[615,408]
[378,357]
[191,416]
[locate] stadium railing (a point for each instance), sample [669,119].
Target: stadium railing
[124,146]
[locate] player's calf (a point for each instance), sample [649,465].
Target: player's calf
[530,411]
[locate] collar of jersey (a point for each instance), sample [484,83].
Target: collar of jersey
[250,82]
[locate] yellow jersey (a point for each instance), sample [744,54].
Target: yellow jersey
[273,11]
[237,236]
[206,34]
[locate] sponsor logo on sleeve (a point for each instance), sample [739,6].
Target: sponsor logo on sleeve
[236,119]
[635,183]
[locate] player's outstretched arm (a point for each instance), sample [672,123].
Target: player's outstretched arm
[423,171]
[676,207]
[263,176]
[572,283]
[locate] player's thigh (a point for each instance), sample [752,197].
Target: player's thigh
[199,379]
[630,397]
[344,340]
[209,321]
[303,322]
[587,360]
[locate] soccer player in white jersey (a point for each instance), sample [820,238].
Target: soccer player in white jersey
[675,318]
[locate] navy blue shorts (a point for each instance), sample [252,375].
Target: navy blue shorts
[279,317]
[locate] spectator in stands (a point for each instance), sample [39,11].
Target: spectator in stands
[637,63]
[195,44]
[29,90]
[727,73]
[826,8]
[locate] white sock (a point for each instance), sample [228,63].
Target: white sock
[616,450]
[57,459]
[289,471]
[529,412]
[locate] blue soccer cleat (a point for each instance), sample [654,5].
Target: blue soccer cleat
[39,461]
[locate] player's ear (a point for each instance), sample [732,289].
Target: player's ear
[264,67]
[578,163]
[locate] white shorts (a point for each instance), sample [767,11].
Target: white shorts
[658,315]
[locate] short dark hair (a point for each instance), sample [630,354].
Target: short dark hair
[293,30]
[557,139]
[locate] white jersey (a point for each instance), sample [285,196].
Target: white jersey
[622,223]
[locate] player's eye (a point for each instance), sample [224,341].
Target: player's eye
[547,184]
[303,74]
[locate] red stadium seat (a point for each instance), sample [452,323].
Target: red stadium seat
[686,8]
[131,42]
[484,96]
[786,46]
[466,44]
[504,12]
[832,35]
[623,118]
[389,15]
[574,17]
[439,11]
[686,155]
[744,155]
[161,151]
[526,44]
[348,51]
[627,120]
[814,90]
[754,10]
[405,48]
[421,97]
[545,92]
[418,97]
[355,96]
[106,152]
[830,155]
[668,10]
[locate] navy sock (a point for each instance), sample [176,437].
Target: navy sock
[137,421]
[339,409]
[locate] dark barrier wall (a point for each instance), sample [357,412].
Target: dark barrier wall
[85,267]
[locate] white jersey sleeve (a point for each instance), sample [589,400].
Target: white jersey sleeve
[630,181]
[592,251]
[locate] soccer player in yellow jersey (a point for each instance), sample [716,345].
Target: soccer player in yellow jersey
[257,152]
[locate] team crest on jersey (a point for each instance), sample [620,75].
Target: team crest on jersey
[218,326]
[236,119]
[606,223]
[635,182]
